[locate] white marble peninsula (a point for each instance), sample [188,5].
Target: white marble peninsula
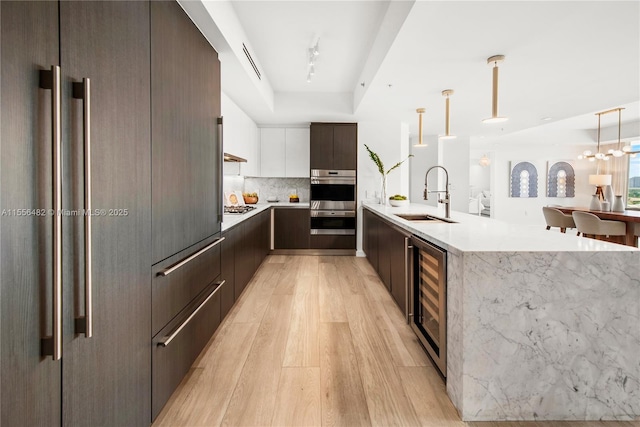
[541,325]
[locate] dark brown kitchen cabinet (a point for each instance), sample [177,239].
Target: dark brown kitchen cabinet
[104,379]
[228,270]
[185,93]
[251,242]
[290,228]
[334,146]
[398,242]
[386,248]
[172,357]
[370,237]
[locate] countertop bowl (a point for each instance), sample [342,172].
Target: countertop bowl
[250,200]
[398,203]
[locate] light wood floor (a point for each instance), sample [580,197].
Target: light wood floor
[317,341]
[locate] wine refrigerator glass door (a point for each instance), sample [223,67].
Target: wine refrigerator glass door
[429,300]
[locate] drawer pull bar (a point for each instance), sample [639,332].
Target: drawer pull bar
[167,339]
[176,266]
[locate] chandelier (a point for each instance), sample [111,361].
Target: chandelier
[620,149]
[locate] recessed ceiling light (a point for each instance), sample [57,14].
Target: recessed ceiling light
[545,119]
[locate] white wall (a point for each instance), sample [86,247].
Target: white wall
[454,156]
[537,146]
[390,140]
[240,138]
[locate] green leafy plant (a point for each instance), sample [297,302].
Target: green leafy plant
[376,159]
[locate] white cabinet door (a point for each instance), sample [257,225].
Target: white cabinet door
[297,152]
[272,152]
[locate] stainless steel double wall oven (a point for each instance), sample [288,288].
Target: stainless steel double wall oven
[333,202]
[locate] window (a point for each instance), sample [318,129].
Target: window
[633,196]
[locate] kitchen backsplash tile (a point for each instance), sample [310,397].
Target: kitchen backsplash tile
[279,188]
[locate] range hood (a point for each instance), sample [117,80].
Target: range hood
[234,159]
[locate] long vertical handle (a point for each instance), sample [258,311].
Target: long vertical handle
[220,168]
[84,324]
[408,276]
[52,346]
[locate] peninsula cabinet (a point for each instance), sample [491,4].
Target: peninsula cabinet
[334,146]
[73,357]
[186,158]
[386,248]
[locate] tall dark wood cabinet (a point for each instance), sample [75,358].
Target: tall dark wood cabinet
[30,383]
[103,379]
[186,196]
[334,146]
[185,95]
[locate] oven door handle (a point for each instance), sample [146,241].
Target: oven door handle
[332,214]
[333,180]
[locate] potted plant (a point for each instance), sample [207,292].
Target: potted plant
[376,159]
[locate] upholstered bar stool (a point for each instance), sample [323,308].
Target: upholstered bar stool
[591,226]
[555,218]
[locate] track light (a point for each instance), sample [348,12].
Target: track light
[309,78]
[447,118]
[312,70]
[495,60]
[315,50]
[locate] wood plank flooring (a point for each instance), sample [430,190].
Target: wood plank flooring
[318,341]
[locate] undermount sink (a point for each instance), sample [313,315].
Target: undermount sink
[424,218]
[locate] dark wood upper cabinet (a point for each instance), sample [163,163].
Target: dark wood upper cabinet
[185,96]
[345,146]
[291,228]
[334,146]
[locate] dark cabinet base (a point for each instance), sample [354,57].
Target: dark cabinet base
[333,242]
[170,363]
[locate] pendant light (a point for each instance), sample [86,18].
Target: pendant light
[495,60]
[619,151]
[484,161]
[420,112]
[447,116]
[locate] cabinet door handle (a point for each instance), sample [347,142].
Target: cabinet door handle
[50,79]
[220,168]
[177,265]
[84,324]
[166,340]
[408,276]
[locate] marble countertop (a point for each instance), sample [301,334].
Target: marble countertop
[231,220]
[473,233]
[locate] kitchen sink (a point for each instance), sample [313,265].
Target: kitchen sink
[424,218]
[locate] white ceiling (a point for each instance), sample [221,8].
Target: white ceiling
[563,59]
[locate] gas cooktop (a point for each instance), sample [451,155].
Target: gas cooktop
[238,209]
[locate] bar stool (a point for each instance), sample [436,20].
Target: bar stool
[591,226]
[555,218]
[637,232]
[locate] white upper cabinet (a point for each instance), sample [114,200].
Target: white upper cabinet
[284,152]
[272,152]
[297,152]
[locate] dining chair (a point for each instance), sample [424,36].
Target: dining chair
[591,226]
[555,218]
